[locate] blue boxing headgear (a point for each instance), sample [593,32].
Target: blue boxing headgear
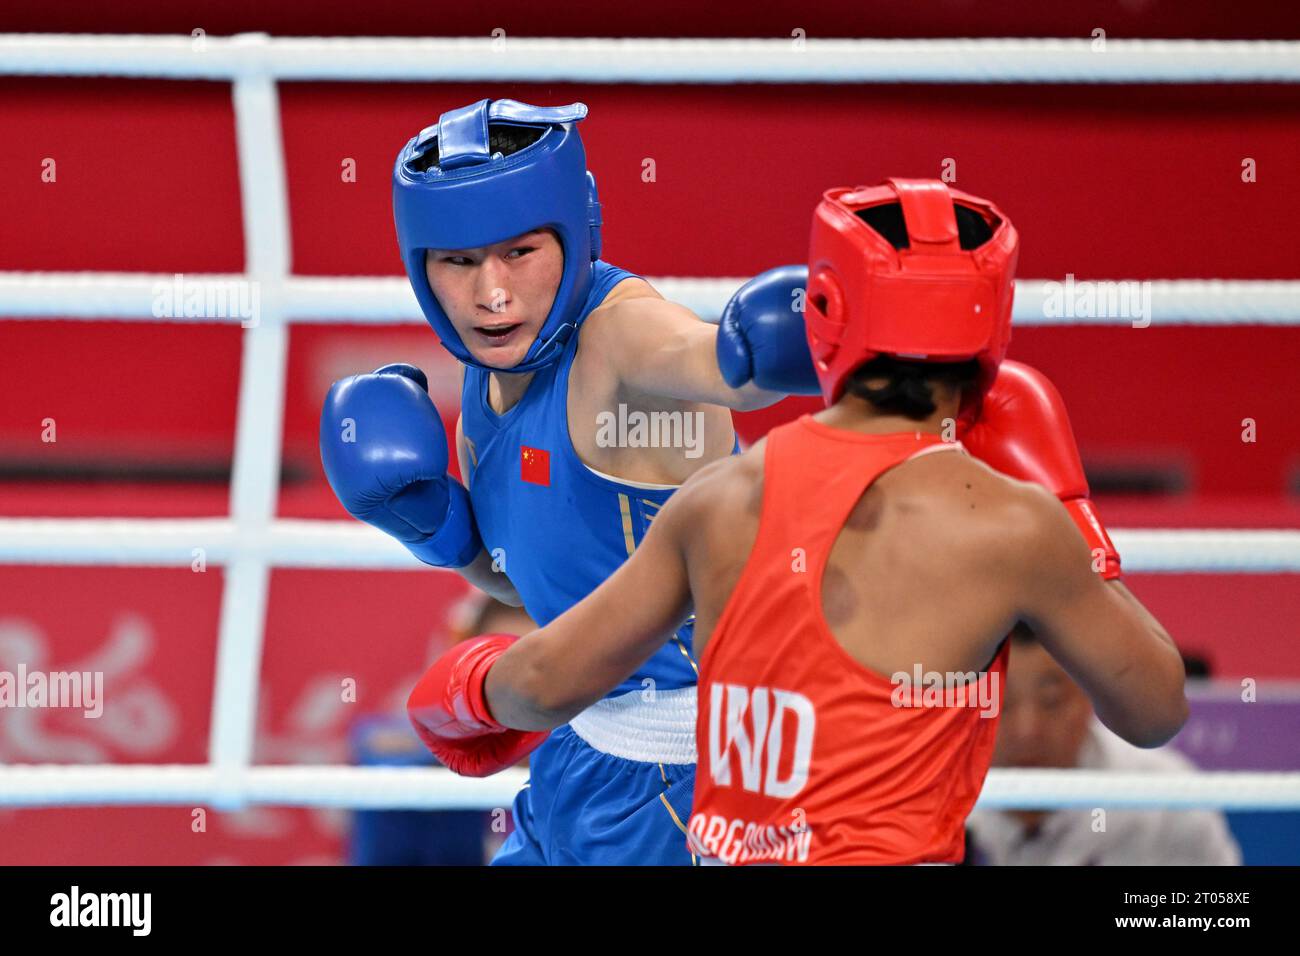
[450,191]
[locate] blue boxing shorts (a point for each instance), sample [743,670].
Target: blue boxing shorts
[611,788]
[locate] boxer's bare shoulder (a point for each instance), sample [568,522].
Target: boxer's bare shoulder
[717,507]
[725,490]
[1007,527]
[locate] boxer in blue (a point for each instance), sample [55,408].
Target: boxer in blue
[587,399]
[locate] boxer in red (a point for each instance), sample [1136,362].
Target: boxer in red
[855,574]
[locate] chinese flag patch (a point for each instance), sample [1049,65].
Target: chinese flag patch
[535,465]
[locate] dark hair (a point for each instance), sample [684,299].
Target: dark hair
[503,138]
[973,230]
[907,388]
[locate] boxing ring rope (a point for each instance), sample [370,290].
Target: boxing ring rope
[413,788]
[793,59]
[130,297]
[304,543]
[251,541]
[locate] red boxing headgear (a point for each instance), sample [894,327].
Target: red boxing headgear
[934,289]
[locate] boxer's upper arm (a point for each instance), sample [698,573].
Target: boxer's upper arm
[1101,635]
[664,349]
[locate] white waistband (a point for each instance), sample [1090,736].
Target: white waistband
[644,725]
[646,485]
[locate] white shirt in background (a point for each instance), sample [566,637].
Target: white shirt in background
[1131,837]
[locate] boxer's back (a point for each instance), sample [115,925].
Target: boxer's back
[923,569]
[892,550]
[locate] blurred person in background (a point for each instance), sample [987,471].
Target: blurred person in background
[1048,722]
[428,837]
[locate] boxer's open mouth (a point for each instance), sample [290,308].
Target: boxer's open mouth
[499,332]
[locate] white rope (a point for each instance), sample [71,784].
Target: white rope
[370,299]
[168,542]
[1226,790]
[296,786]
[1183,550]
[295,543]
[790,59]
[435,789]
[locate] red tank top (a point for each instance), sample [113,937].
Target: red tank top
[806,756]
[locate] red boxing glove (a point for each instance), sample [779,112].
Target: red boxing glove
[1023,431]
[450,713]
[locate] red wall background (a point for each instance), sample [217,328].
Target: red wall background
[1103,182]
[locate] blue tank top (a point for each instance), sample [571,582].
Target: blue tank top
[557,528]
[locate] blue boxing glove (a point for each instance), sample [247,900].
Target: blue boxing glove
[761,335]
[385,454]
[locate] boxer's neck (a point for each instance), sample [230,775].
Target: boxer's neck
[859,415]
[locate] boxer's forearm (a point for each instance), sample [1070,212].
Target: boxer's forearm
[526,690]
[559,670]
[517,691]
[556,672]
[482,574]
[1106,641]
